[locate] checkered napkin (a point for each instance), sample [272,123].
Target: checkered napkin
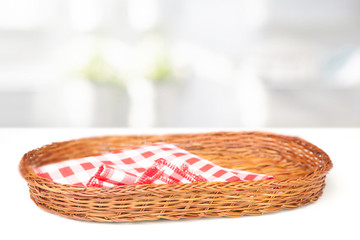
[110,176]
[159,163]
[163,172]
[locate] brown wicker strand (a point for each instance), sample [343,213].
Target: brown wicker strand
[299,168]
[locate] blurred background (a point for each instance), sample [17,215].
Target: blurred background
[180,63]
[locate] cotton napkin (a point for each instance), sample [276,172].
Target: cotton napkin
[159,163]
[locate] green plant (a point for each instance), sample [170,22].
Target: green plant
[97,69]
[161,69]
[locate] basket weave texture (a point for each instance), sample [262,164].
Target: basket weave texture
[299,168]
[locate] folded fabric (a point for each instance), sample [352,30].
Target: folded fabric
[110,176]
[159,163]
[163,172]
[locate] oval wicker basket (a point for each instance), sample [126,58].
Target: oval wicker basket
[299,168]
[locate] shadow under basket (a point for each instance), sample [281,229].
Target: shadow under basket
[298,166]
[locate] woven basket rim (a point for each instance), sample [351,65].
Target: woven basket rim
[299,168]
[27,172]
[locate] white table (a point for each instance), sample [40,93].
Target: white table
[333,215]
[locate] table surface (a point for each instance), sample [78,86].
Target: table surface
[333,215]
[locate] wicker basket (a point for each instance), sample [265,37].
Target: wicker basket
[298,166]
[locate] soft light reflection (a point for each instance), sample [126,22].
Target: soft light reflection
[142,110]
[349,74]
[205,64]
[26,15]
[74,105]
[252,98]
[143,14]
[85,15]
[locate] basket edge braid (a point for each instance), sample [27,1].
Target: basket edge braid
[151,202]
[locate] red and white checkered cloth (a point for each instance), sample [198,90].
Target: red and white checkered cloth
[110,176]
[163,172]
[159,163]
